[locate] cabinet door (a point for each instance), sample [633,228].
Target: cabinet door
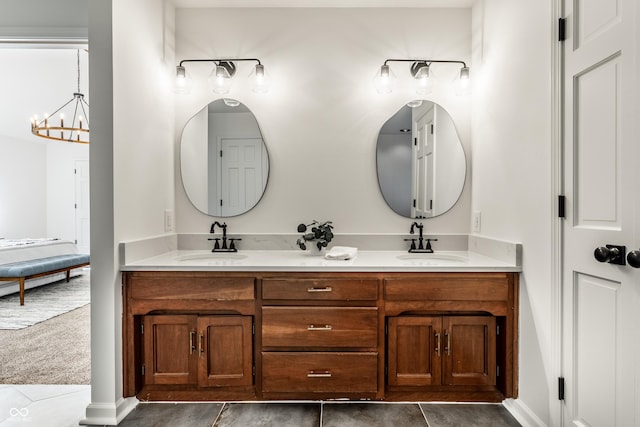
[225,351]
[414,351]
[169,350]
[470,350]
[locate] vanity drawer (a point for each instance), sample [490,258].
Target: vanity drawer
[448,287]
[324,327]
[187,287]
[320,289]
[319,372]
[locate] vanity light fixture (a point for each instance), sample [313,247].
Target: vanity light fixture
[221,77]
[77,119]
[421,71]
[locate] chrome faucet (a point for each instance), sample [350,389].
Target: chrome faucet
[421,248]
[222,248]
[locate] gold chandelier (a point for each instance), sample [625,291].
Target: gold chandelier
[77,128]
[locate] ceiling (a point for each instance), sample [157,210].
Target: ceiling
[324,3]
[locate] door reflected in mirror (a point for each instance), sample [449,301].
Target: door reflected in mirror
[420,161]
[224,162]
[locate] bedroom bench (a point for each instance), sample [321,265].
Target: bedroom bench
[23,270]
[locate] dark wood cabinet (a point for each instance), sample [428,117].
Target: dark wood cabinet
[393,336]
[207,351]
[320,337]
[441,350]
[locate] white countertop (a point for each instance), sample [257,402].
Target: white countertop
[300,261]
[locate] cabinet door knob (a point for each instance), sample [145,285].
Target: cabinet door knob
[612,254]
[633,258]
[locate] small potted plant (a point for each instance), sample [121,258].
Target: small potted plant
[320,235]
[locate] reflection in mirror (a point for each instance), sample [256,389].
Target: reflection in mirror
[223,159]
[420,161]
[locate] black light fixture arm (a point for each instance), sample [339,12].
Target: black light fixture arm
[219,60]
[427,61]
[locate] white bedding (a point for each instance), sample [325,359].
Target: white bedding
[16,250]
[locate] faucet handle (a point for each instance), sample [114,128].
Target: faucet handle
[413,244]
[232,245]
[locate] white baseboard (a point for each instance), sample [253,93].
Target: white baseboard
[523,413]
[109,414]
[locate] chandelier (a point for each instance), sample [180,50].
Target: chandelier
[75,113]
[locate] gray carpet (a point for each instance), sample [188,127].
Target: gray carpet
[56,348]
[44,302]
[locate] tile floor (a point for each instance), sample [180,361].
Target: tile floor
[64,406]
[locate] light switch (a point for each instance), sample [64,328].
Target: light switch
[168,220]
[477,221]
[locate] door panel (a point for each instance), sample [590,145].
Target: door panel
[470,350]
[600,300]
[596,303]
[415,351]
[169,352]
[242,178]
[226,356]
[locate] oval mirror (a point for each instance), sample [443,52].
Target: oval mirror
[223,159]
[420,161]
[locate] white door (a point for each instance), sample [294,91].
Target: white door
[423,162]
[82,205]
[601,301]
[242,178]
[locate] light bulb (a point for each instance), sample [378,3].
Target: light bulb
[464,82]
[384,80]
[261,80]
[183,81]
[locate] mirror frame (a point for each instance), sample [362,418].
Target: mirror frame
[264,147]
[463,176]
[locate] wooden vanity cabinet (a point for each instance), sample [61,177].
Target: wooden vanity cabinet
[208,351]
[441,350]
[451,336]
[188,335]
[320,337]
[394,336]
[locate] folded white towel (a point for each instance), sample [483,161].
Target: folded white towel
[341,252]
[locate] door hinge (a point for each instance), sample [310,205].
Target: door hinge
[431,129]
[220,153]
[142,328]
[220,202]
[497,329]
[253,328]
[562,200]
[562,29]
[75,171]
[75,206]
[253,370]
[560,388]
[415,141]
[75,241]
[430,204]
[143,369]
[497,370]
[414,203]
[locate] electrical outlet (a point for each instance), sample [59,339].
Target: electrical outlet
[168,221]
[477,221]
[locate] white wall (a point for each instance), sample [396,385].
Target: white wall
[132,174]
[321,119]
[512,167]
[36,190]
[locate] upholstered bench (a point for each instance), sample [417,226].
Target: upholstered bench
[23,270]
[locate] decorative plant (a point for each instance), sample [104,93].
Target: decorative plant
[320,234]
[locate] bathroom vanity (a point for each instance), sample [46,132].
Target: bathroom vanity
[268,325]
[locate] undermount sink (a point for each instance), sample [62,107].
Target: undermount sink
[432,257]
[212,256]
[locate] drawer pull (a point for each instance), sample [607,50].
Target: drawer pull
[323,374]
[325,289]
[319,328]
